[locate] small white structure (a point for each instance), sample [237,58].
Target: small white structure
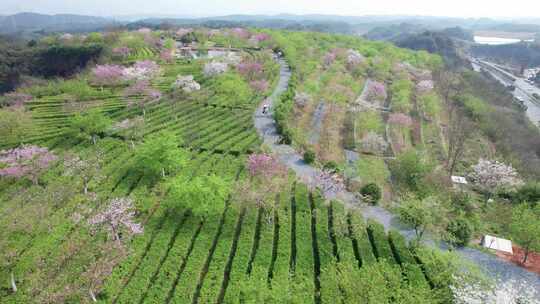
[496,243]
[459,180]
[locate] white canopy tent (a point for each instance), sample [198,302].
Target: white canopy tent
[496,243]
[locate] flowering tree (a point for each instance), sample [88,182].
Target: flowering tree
[181,32]
[118,214]
[493,175]
[107,75]
[66,36]
[400,119]
[425,86]
[259,86]
[131,128]
[301,99]
[85,168]
[374,143]
[29,161]
[16,99]
[166,56]
[267,176]
[186,84]
[250,70]
[376,91]
[354,59]
[501,292]
[122,51]
[329,182]
[240,33]
[144,30]
[214,68]
[329,58]
[260,37]
[141,94]
[142,70]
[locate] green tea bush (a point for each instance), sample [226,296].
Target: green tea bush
[372,192]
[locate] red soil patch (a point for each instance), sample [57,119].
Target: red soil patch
[533,260]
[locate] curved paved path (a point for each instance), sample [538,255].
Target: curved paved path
[266,128]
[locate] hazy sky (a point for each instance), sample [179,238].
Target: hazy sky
[462,8]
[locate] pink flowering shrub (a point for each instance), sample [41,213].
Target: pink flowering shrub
[400,119]
[107,75]
[29,161]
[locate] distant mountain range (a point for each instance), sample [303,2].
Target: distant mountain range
[39,22]
[34,22]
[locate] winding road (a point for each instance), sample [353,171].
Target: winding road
[266,127]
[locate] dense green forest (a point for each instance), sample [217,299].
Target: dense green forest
[131,170]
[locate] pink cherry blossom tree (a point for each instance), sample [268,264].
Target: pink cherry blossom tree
[166,56]
[25,161]
[240,33]
[142,94]
[376,91]
[267,176]
[250,70]
[400,119]
[118,216]
[107,75]
[259,86]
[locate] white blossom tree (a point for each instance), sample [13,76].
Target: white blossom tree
[87,169]
[186,84]
[491,175]
[214,68]
[507,292]
[118,214]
